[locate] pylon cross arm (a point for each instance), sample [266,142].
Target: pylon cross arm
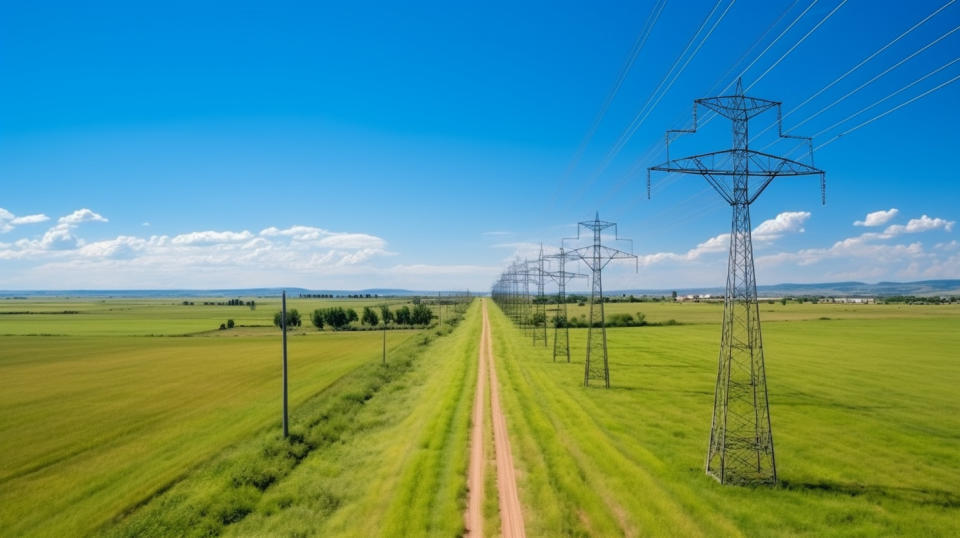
[737,106]
[762,165]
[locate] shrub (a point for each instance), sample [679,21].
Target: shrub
[231,324]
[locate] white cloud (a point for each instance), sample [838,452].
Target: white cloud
[923,224]
[30,219]
[8,220]
[878,218]
[786,222]
[210,237]
[81,215]
[237,258]
[768,231]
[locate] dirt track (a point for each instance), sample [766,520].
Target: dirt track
[511,518]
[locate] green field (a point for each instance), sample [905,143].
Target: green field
[98,419]
[865,412]
[106,430]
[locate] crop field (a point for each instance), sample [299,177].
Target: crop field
[106,430]
[866,423]
[100,417]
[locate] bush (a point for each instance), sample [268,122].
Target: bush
[369,316]
[293,318]
[386,314]
[421,315]
[231,324]
[403,315]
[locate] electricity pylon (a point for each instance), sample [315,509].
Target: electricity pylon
[539,318]
[561,326]
[741,439]
[596,256]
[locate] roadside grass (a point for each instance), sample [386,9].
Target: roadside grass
[91,427]
[382,451]
[865,414]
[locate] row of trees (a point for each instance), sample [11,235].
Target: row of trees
[232,302]
[339,318]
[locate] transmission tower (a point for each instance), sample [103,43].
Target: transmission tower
[741,440]
[539,318]
[596,256]
[561,328]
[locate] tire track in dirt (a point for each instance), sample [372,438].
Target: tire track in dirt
[511,516]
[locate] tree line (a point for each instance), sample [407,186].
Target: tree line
[339,318]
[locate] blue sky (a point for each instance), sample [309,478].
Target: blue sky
[194,145]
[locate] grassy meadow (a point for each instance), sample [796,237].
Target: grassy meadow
[866,423]
[97,416]
[140,418]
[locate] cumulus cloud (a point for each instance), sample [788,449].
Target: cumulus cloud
[8,220]
[786,222]
[210,237]
[768,231]
[923,224]
[165,261]
[878,218]
[81,215]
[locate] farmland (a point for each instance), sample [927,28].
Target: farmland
[865,419]
[102,408]
[108,430]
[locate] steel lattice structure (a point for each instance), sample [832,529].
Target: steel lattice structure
[561,325]
[538,321]
[596,256]
[740,449]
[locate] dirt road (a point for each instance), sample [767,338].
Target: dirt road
[511,518]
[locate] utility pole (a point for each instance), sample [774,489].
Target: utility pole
[283,327]
[741,438]
[597,256]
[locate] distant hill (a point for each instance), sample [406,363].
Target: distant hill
[248,292]
[843,289]
[923,288]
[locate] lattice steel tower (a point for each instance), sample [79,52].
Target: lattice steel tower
[561,328]
[741,440]
[539,319]
[596,256]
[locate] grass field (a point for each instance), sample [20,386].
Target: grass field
[95,422]
[866,422]
[107,431]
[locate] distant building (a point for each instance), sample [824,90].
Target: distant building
[850,300]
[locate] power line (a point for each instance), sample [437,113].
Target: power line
[621,77]
[901,90]
[747,52]
[712,115]
[892,110]
[628,132]
[858,66]
[795,45]
[875,78]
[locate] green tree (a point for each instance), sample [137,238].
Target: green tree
[293,318]
[352,315]
[369,317]
[421,315]
[230,324]
[317,318]
[385,314]
[402,315]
